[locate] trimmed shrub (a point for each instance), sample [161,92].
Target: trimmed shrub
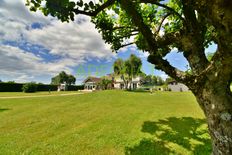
[11,87]
[29,87]
[17,87]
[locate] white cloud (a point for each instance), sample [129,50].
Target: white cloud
[24,78]
[71,40]
[24,66]
[163,76]
[15,17]
[17,11]
[15,59]
[74,43]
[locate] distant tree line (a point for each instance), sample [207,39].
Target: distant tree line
[152,80]
[18,87]
[62,77]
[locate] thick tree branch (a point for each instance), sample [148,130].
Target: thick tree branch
[163,6]
[161,23]
[128,44]
[190,16]
[129,7]
[129,35]
[122,27]
[154,57]
[193,37]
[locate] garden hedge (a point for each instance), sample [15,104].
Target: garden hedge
[17,87]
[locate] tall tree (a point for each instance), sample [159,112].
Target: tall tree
[160,81]
[128,69]
[153,80]
[148,79]
[119,69]
[132,67]
[63,77]
[71,80]
[189,26]
[105,83]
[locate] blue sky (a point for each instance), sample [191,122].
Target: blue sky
[35,48]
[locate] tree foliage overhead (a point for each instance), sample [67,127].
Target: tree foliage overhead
[189,25]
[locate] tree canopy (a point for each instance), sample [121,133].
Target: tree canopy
[128,69]
[152,80]
[63,77]
[105,83]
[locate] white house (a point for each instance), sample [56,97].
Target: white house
[119,84]
[177,87]
[90,83]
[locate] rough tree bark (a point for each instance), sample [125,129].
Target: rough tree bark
[215,99]
[217,108]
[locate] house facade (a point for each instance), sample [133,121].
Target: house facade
[119,84]
[177,87]
[91,83]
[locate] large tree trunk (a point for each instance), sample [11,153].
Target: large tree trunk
[216,102]
[126,85]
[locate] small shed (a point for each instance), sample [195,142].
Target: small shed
[62,87]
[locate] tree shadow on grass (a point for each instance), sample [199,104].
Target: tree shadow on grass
[186,132]
[149,147]
[3,109]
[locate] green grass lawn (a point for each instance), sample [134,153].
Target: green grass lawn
[104,123]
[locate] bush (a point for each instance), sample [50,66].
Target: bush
[29,87]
